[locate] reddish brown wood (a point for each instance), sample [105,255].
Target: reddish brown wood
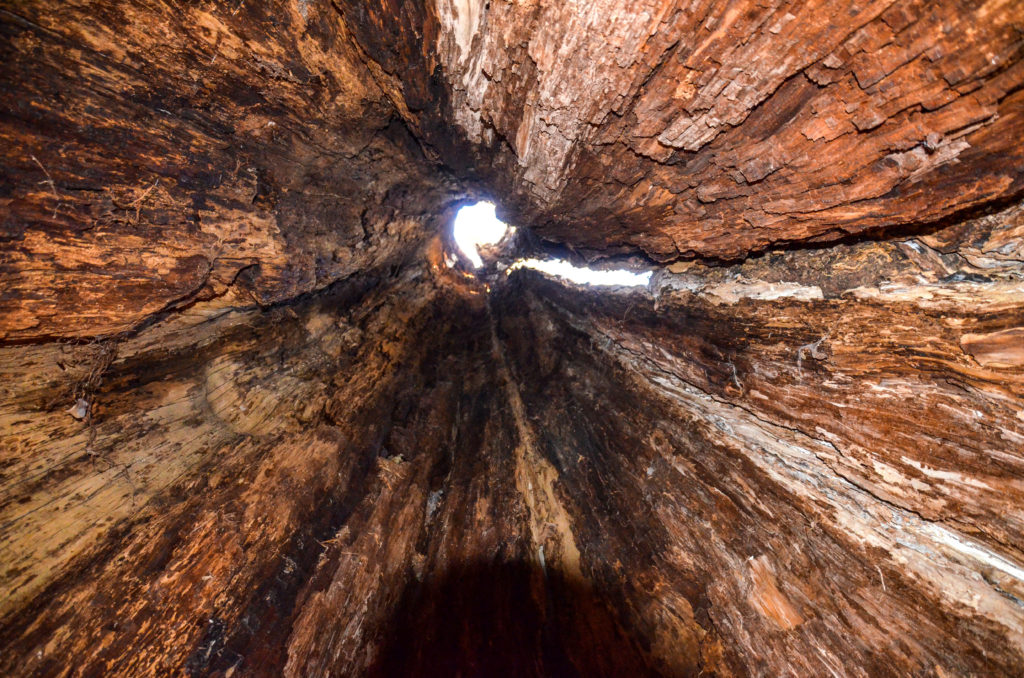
[252,423]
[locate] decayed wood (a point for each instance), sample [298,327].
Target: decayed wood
[288,491]
[825,481]
[251,423]
[156,155]
[710,128]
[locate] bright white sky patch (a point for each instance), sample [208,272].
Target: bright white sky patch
[584,276]
[477,225]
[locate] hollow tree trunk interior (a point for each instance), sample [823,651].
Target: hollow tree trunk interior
[259,416]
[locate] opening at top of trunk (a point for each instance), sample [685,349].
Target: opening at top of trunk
[477,225]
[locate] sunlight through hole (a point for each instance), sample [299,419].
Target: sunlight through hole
[583,276]
[477,225]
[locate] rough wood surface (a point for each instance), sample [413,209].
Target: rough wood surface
[709,128]
[156,155]
[743,535]
[253,423]
[289,491]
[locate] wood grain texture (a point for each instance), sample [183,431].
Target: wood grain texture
[757,460]
[759,536]
[254,421]
[155,156]
[712,129]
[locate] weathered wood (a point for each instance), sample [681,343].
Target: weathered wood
[765,462]
[252,423]
[156,155]
[709,128]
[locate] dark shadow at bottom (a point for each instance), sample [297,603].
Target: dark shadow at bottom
[505,619]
